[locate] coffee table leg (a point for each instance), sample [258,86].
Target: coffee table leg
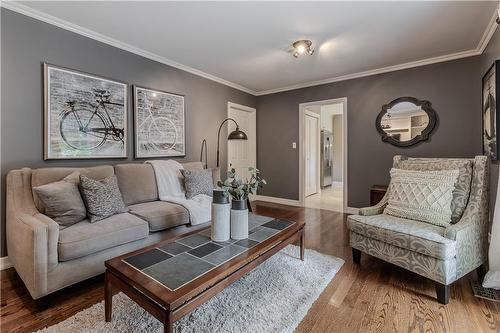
[108,297]
[302,244]
[167,323]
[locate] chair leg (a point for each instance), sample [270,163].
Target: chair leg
[356,256]
[481,272]
[443,293]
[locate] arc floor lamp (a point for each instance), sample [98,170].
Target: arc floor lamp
[234,135]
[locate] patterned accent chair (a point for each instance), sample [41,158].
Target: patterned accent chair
[442,254]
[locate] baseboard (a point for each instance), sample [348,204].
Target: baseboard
[5,263]
[352,210]
[282,201]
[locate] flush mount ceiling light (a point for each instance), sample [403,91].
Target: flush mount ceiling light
[302,46]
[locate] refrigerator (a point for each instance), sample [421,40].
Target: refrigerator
[326,161]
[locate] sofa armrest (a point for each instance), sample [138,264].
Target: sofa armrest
[52,240]
[376,209]
[28,251]
[31,237]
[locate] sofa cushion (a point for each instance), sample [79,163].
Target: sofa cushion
[421,195]
[84,238]
[102,197]
[160,215]
[462,187]
[44,176]
[198,182]
[413,235]
[137,182]
[62,200]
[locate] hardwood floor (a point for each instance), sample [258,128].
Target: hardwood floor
[372,297]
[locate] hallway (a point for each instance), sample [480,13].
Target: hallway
[330,198]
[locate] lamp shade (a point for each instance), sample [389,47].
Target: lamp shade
[237,135]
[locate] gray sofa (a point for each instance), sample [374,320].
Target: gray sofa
[49,258]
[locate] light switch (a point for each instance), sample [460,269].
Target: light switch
[294,145]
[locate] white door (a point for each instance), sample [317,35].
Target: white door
[312,153]
[242,153]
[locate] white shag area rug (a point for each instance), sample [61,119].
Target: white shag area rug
[274,297]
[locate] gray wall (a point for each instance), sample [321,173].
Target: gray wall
[453,88]
[27,43]
[490,54]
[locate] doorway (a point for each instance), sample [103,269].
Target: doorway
[242,154]
[312,153]
[323,164]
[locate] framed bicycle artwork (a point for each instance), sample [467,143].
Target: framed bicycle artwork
[159,124]
[85,115]
[491,109]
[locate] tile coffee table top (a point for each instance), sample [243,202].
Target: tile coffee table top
[185,259]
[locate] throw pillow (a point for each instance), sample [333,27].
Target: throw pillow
[198,182]
[422,195]
[462,187]
[102,197]
[62,201]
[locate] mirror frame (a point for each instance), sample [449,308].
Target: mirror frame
[424,136]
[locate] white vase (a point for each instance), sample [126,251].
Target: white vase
[220,222]
[239,224]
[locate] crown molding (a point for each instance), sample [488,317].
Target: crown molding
[370,72]
[41,16]
[483,42]
[488,33]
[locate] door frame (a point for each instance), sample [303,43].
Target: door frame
[302,111]
[231,105]
[318,153]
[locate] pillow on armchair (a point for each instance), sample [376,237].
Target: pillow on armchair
[422,195]
[462,187]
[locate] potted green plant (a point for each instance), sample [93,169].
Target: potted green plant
[239,190]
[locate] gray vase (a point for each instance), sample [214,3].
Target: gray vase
[239,204]
[220,197]
[239,219]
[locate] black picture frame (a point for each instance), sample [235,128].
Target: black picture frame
[423,136]
[490,107]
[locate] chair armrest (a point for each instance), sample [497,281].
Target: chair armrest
[471,231]
[468,223]
[376,209]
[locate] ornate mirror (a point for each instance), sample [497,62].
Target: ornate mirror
[406,121]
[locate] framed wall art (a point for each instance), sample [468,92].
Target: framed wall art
[85,115]
[159,124]
[490,109]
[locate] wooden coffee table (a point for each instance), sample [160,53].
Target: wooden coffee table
[174,277]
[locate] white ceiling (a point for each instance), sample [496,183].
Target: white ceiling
[246,43]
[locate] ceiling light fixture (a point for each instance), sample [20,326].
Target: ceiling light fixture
[302,46]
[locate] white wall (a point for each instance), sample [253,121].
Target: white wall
[337,148]
[327,112]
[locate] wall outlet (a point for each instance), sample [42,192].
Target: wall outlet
[294,145]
